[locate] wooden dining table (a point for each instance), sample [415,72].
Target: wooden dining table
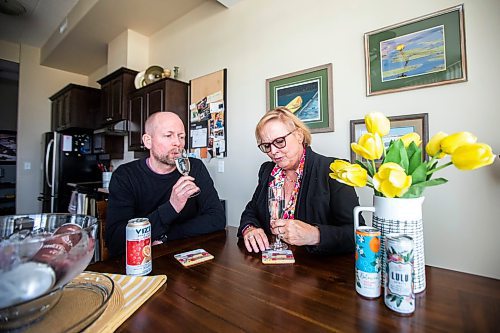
[235,292]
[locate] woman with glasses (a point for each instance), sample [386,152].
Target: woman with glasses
[318,210]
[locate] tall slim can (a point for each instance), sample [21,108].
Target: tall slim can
[367,261]
[398,294]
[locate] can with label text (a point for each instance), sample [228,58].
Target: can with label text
[367,262]
[138,247]
[399,295]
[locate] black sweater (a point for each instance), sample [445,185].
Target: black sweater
[136,191]
[321,201]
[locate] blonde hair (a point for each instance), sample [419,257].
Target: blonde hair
[289,119]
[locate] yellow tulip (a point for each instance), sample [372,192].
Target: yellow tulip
[434,145]
[472,156]
[376,122]
[400,47]
[453,141]
[391,180]
[369,146]
[349,174]
[411,137]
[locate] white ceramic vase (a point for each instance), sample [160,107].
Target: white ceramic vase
[396,215]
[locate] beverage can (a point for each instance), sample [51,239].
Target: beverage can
[367,262]
[398,294]
[138,247]
[58,246]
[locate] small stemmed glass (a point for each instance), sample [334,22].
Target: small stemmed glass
[183,166]
[276,200]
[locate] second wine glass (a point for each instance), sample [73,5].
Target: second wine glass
[184,166]
[276,201]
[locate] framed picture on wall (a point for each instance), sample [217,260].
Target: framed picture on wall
[307,93]
[423,52]
[8,147]
[400,125]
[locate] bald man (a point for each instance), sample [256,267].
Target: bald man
[153,188]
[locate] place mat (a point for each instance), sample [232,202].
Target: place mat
[115,305]
[135,290]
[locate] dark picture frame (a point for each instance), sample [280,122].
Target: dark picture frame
[308,93]
[423,52]
[400,125]
[8,147]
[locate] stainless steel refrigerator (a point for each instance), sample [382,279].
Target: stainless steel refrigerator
[67,159]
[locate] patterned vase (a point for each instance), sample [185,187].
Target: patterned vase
[396,215]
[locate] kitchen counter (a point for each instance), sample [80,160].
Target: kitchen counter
[89,187]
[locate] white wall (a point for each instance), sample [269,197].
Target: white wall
[260,39]
[36,84]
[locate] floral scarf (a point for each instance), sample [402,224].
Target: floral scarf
[279,181]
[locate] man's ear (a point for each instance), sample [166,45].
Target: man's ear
[146,139]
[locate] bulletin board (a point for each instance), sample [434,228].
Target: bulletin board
[208,116]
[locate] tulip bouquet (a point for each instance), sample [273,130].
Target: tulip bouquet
[403,172]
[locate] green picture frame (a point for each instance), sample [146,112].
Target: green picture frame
[423,52]
[308,93]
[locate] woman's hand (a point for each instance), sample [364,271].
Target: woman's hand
[296,232]
[255,239]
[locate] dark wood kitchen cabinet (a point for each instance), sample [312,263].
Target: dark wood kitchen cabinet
[164,95]
[116,88]
[75,106]
[108,146]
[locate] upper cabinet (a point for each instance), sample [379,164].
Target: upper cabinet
[164,95]
[75,106]
[116,88]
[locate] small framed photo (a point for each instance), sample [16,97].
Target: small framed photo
[423,52]
[307,93]
[400,125]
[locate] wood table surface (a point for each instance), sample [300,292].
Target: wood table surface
[235,292]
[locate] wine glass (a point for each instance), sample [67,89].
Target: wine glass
[276,201]
[183,166]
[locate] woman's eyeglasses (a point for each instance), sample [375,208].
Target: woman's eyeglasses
[278,143]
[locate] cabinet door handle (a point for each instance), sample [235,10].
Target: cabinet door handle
[109,119]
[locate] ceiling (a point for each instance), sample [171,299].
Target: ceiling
[90,26]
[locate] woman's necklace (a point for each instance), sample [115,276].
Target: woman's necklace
[290,180]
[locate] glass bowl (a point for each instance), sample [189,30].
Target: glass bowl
[39,255]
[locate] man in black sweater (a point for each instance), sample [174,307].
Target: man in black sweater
[153,188]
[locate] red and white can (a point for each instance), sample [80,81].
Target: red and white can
[59,245]
[138,247]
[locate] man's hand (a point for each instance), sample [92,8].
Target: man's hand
[182,190]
